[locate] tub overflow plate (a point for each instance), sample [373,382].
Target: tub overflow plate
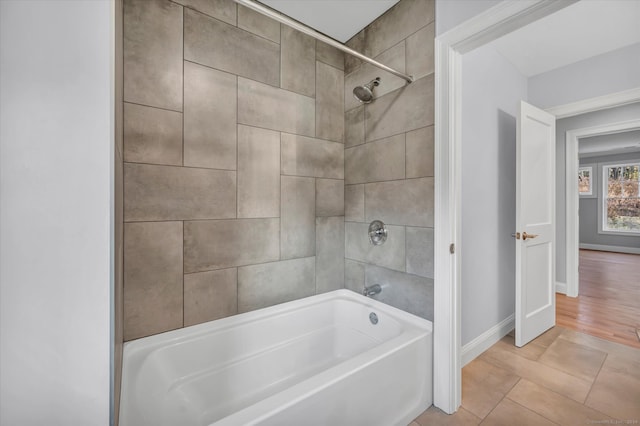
[373,318]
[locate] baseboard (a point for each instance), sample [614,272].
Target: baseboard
[561,287]
[617,249]
[487,339]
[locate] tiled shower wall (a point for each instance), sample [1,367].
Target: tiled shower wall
[233,164]
[389,159]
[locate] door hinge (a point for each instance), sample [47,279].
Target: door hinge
[452,248]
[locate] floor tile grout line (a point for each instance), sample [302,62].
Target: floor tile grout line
[534,411]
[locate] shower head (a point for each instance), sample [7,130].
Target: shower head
[365,93]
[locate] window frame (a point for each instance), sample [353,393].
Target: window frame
[593,181]
[603,188]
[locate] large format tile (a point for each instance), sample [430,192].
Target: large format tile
[219,244]
[258,24]
[298,62]
[152,278]
[329,197]
[153,53]
[394,58]
[420,251]
[376,161]
[531,350]
[391,254]
[616,391]
[357,43]
[354,275]
[261,105]
[329,102]
[420,55]
[508,412]
[210,295]
[354,127]
[269,284]
[329,55]
[585,362]
[403,202]
[354,203]
[223,10]
[152,135]
[303,156]
[435,416]
[219,45]
[554,406]
[400,111]
[420,150]
[258,172]
[209,117]
[484,386]
[298,217]
[175,193]
[329,253]
[404,291]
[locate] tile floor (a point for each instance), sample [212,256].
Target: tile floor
[561,378]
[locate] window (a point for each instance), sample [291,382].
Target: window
[621,198]
[585,181]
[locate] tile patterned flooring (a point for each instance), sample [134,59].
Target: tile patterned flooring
[561,378]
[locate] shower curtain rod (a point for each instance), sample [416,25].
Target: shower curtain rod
[319,36]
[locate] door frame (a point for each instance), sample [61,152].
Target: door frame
[572,195]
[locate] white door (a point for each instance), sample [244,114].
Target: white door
[535,223]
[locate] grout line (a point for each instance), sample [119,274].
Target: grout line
[157,107]
[178,166]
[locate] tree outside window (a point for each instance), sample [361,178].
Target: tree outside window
[621,198]
[585,183]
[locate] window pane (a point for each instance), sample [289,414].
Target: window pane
[584,180]
[622,198]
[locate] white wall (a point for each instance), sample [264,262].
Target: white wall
[601,75]
[55,212]
[492,92]
[451,13]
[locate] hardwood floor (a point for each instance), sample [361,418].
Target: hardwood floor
[609,302]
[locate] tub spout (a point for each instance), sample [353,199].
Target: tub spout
[372,290]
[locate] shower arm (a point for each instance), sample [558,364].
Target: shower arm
[319,36]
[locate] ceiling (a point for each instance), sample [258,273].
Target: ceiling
[339,19]
[617,143]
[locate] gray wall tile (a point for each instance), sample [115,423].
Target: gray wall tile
[209,117]
[261,105]
[354,275]
[223,10]
[153,53]
[298,62]
[357,43]
[329,253]
[354,126]
[403,202]
[420,55]
[303,156]
[258,24]
[175,193]
[216,44]
[152,135]
[329,55]
[329,197]
[376,161]
[420,151]
[404,291]
[152,278]
[402,20]
[210,295]
[218,244]
[393,57]
[329,102]
[420,251]
[258,172]
[354,203]
[405,109]
[298,217]
[391,254]
[269,284]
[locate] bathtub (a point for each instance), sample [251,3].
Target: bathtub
[315,361]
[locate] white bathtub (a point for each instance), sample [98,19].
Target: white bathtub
[314,361]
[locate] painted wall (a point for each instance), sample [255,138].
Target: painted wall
[56,114]
[607,116]
[233,164]
[492,92]
[601,75]
[389,160]
[589,206]
[451,13]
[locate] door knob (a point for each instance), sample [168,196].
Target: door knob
[530,236]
